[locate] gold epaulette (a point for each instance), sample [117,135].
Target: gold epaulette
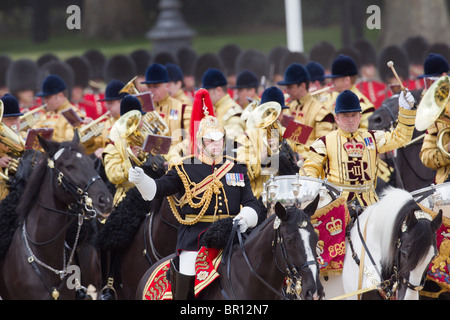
[179,161]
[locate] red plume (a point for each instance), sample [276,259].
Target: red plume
[202,101]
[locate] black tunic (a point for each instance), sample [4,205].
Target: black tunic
[189,236]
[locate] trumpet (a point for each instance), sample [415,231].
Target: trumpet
[29,119]
[153,122]
[319,91]
[93,129]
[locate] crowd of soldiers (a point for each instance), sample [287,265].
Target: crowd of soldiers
[314,89]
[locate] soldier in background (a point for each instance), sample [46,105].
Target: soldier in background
[344,73]
[142,59]
[22,80]
[81,69]
[323,53]
[229,54]
[247,84]
[416,48]
[226,110]
[5,62]
[187,58]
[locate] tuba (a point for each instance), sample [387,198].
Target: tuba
[153,122]
[125,132]
[434,108]
[29,119]
[13,144]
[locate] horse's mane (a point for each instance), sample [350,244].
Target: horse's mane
[36,181]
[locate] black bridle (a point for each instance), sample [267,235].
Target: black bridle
[290,270]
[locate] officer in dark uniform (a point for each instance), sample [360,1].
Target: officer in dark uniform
[221,188]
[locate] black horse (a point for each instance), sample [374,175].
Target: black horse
[282,247]
[63,187]
[409,172]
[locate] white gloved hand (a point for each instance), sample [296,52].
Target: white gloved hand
[145,184]
[248,218]
[406,102]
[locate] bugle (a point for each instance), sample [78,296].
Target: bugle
[28,119]
[93,129]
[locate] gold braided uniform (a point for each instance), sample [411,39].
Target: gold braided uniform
[63,130]
[434,158]
[349,160]
[171,110]
[310,112]
[228,112]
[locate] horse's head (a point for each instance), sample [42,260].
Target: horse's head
[75,181]
[414,248]
[385,116]
[295,242]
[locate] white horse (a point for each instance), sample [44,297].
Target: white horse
[400,242]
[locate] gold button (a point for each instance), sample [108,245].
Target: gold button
[220,211]
[220,203]
[220,197]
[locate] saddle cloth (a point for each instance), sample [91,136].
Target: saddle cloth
[158,286]
[330,222]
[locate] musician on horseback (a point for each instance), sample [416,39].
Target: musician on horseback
[209,186]
[435,66]
[348,156]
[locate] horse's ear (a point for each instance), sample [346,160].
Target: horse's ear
[280,211]
[437,221]
[312,207]
[76,138]
[50,147]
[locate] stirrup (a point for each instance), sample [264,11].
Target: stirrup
[108,292]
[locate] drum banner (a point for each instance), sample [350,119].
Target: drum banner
[330,222]
[438,271]
[159,287]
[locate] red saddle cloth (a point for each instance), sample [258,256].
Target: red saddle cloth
[159,287]
[330,222]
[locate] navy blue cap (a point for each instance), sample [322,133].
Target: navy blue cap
[347,101]
[156,73]
[246,79]
[213,78]
[295,73]
[175,73]
[51,85]
[112,91]
[434,65]
[274,94]
[10,106]
[129,103]
[343,66]
[316,71]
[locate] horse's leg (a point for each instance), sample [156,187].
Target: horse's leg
[89,261]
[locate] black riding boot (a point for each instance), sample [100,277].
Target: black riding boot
[182,285]
[108,292]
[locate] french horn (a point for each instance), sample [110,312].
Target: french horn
[434,108]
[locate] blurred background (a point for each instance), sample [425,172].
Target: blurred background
[30,28]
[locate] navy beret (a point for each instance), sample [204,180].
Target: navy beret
[129,103]
[316,71]
[246,79]
[10,106]
[175,73]
[343,66]
[52,84]
[434,65]
[112,91]
[295,73]
[347,101]
[274,94]
[156,73]
[213,78]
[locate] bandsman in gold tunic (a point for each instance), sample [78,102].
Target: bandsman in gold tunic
[54,94]
[14,147]
[226,110]
[246,87]
[348,156]
[115,158]
[304,107]
[257,145]
[436,66]
[344,74]
[221,190]
[170,109]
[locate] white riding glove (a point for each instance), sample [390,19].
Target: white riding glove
[406,102]
[248,218]
[145,184]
